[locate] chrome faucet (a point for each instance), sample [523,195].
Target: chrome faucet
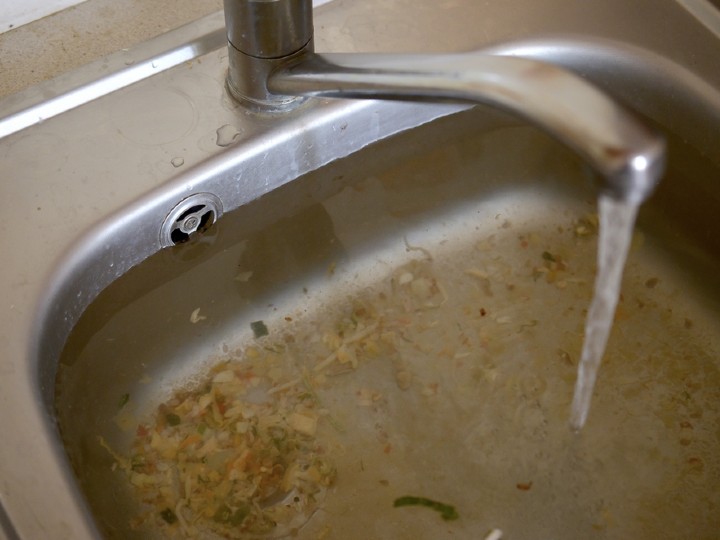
[273,66]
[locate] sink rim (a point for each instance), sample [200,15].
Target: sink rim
[49,504]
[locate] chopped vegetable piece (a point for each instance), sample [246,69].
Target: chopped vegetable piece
[495,534]
[548,256]
[172,419]
[447,512]
[303,423]
[259,329]
[123,400]
[168,516]
[232,517]
[137,463]
[195,316]
[652,283]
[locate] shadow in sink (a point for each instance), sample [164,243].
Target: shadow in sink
[407,322]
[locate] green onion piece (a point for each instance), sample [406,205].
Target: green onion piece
[168,516]
[137,463]
[259,329]
[172,419]
[548,256]
[447,512]
[239,515]
[224,514]
[123,400]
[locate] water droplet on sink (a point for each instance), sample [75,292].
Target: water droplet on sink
[177,162]
[226,135]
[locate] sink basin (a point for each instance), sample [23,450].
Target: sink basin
[416,275]
[473,407]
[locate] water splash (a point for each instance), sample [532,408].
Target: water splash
[617,219]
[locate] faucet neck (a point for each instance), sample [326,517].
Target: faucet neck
[264,35]
[269,28]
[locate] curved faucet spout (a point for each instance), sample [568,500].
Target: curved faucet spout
[272,59]
[628,156]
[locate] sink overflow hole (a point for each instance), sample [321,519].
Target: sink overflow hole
[191,216]
[199,221]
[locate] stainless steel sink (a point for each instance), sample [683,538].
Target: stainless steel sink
[104,315]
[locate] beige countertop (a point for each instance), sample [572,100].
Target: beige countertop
[78,35]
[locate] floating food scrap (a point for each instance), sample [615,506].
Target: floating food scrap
[447,512]
[229,457]
[259,329]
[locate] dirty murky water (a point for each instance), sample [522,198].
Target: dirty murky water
[452,377]
[439,365]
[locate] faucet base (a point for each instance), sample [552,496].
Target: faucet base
[247,77]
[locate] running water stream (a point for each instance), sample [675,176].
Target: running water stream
[617,219]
